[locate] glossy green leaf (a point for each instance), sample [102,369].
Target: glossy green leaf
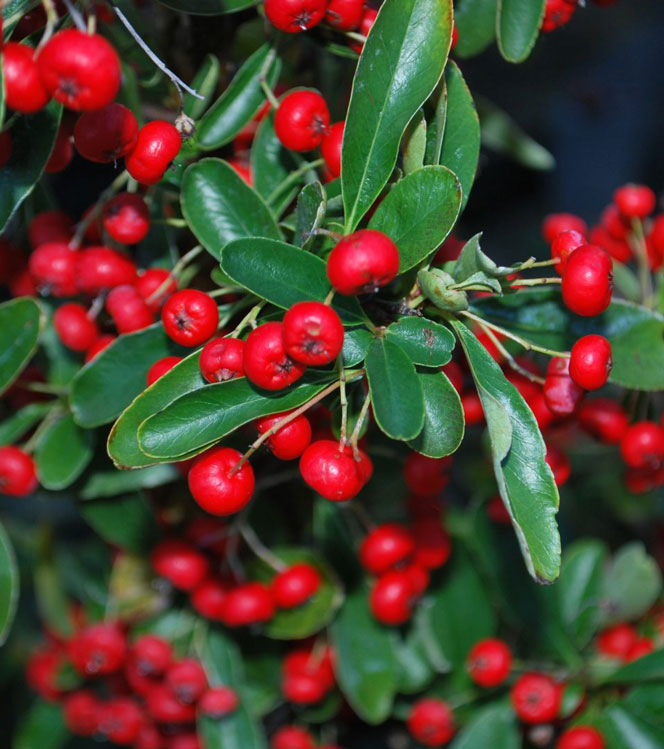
[204,83]
[9,585]
[219,206]
[356,343]
[444,422]
[419,212]
[428,343]
[473,263]
[33,137]
[401,63]
[647,701]
[21,321]
[309,213]
[492,726]
[204,416]
[240,101]
[367,668]
[461,141]
[42,726]
[647,668]
[127,521]
[283,275]
[14,427]
[313,615]
[436,124]
[272,164]
[208,7]
[517,27]
[524,479]
[111,483]
[63,453]
[631,585]
[396,391]
[414,143]
[415,669]
[476,23]
[624,730]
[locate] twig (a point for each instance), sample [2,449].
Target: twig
[510,359]
[358,426]
[260,550]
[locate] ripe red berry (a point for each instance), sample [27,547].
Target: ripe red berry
[489,662]
[157,145]
[222,359]
[5,147]
[24,90]
[561,393]
[98,650]
[559,464]
[331,148]
[120,720]
[17,472]
[150,281]
[292,737]
[187,680]
[557,13]
[160,367]
[62,152]
[306,677]
[385,547]
[190,317]
[181,564]
[265,360]
[473,410]
[312,333]
[295,585]
[635,201]
[615,223]
[426,476]
[536,698]
[301,120]
[100,268]
[81,712]
[344,15]
[392,597]
[42,670]
[362,262]
[128,309]
[643,646]
[587,281]
[50,226]
[431,721]
[294,16]
[217,486]
[98,346]
[617,641]
[291,440]
[581,737]
[563,246]
[332,472]
[126,218]
[248,604]
[555,223]
[53,267]
[419,578]
[74,328]
[163,706]
[432,544]
[217,702]
[605,419]
[209,598]
[107,134]
[151,654]
[642,445]
[81,71]
[590,363]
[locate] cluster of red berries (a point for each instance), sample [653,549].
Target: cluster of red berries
[129,693]
[558,13]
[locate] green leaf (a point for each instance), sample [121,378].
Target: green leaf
[240,101]
[12,12]
[648,668]
[111,483]
[415,668]
[476,23]
[419,212]
[427,343]
[9,585]
[16,426]
[631,585]
[271,164]
[309,214]
[356,343]
[525,480]
[436,124]
[414,143]
[492,726]
[204,416]
[41,726]
[33,137]
[396,392]
[624,730]
[283,275]
[127,522]
[517,27]
[401,63]
[208,7]
[472,261]
[461,140]
[444,421]
[63,453]
[647,702]
[367,668]
[310,617]
[21,321]
[219,206]
[204,83]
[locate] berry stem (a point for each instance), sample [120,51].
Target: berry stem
[638,242]
[355,36]
[510,359]
[358,426]
[344,402]
[53,415]
[175,272]
[51,20]
[269,93]
[293,178]
[76,17]
[329,297]
[97,306]
[534,282]
[248,319]
[532,263]
[327,233]
[260,549]
[96,209]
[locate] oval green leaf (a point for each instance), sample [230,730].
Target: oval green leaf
[9,585]
[624,730]
[21,321]
[63,453]
[517,27]
[444,422]
[204,83]
[309,213]
[492,726]
[427,343]
[127,522]
[476,23]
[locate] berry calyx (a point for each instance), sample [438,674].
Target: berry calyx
[126,218]
[333,472]
[431,721]
[186,678]
[190,317]
[158,143]
[151,654]
[590,363]
[24,90]
[222,359]
[295,585]
[98,650]
[295,16]
[587,281]
[301,120]
[218,702]
[536,698]
[386,547]
[489,662]
[75,329]
[312,333]
[218,485]
[265,360]
[362,262]
[291,440]
[17,472]
[107,134]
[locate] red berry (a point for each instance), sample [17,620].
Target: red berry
[53,266]
[312,333]
[556,223]
[160,367]
[292,737]
[615,223]
[209,599]
[590,363]
[185,741]
[151,654]
[617,641]
[332,472]
[100,268]
[50,226]
[149,736]
[301,120]
[497,511]
[106,135]
[17,472]
[62,152]
[419,578]
[604,418]
[557,13]
[75,329]
[331,148]
[190,317]
[454,374]
[368,19]
[42,671]
[307,676]
[120,720]
[536,698]
[587,281]
[559,464]
[98,650]
[222,359]
[635,201]
[432,544]
[5,147]
[581,737]
[217,702]
[561,393]
[362,262]
[392,597]
[431,722]
[164,707]
[473,410]
[187,680]
[619,250]
[265,360]
[157,145]
[128,309]
[426,476]
[344,15]
[643,646]
[248,604]
[126,218]
[642,445]
[294,16]
[291,440]
[181,564]
[150,281]
[24,90]
[385,547]
[295,585]
[489,662]
[81,71]
[217,486]
[81,711]
[564,245]
[98,346]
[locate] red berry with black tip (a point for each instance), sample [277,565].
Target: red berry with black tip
[24,90]
[218,702]
[81,712]
[581,737]
[536,698]
[160,367]
[344,15]
[218,485]
[53,267]
[120,720]
[190,317]
[312,333]
[126,218]
[187,680]
[74,328]
[333,472]
[301,120]
[181,564]
[163,706]
[107,134]
[17,472]
[385,547]
[158,143]
[291,440]
[642,445]
[362,262]
[295,16]
[151,654]
[489,662]
[431,721]
[98,650]
[590,363]
[292,737]
[222,359]
[265,360]
[588,281]
[295,585]
[248,604]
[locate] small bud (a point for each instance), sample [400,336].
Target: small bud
[435,287]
